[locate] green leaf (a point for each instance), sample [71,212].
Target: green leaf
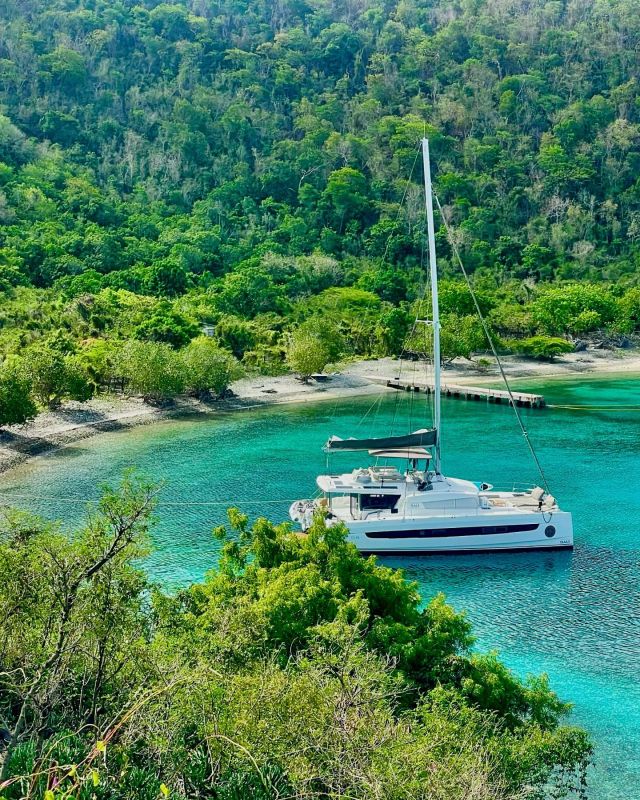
[164,789]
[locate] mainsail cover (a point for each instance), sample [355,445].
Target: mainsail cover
[422,438]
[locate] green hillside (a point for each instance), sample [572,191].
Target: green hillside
[168,165]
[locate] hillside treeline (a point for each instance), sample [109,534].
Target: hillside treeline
[253,167]
[201,132]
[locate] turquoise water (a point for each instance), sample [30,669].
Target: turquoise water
[574,615]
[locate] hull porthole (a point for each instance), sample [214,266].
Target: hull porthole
[550,531]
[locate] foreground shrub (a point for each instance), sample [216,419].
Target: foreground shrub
[297,669]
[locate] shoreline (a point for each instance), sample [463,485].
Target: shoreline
[76,421]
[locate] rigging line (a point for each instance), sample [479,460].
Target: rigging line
[177,503]
[378,407]
[595,408]
[411,397]
[408,338]
[429,411]
[396,402]
[489,338]
[376,402]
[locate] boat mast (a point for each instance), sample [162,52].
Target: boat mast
[435,309]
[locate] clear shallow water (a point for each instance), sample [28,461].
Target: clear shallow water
[574,615]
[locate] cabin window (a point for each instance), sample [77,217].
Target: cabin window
[353,505]
[378,502]
[429,533]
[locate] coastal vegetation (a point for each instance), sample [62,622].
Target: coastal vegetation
[250,170]
[297,668]
[194,190]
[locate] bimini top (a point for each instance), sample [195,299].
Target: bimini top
[426,437]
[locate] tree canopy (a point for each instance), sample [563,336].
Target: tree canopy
[297,668]
[169,166]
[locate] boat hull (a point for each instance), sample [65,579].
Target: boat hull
[477,534]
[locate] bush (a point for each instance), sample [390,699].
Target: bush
[628,315]
[455,298]
[512,319]
[151,369]
[235,334]
[461,336]
[354,312]
[96,360]
[306,353]
[483,364]
[208,369]
[16,405]
[55,376]
[546,348]
[167,325]
[573,308]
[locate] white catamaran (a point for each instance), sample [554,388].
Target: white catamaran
[420,510]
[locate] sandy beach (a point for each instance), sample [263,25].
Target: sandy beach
[75,421]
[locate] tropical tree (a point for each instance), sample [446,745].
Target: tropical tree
[55,375]
[545,348]
[151,369]
[346,193]
[575,307]
[461,336]
[208,369]
[16,405]
[72,608]
[306,353]
[165,324]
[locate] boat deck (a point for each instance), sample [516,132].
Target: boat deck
[498,502]
[520,500]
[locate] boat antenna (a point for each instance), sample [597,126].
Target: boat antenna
[489,338]
[435,309]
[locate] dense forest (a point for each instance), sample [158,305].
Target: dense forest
[297,669]
[252,168]
[191,190]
